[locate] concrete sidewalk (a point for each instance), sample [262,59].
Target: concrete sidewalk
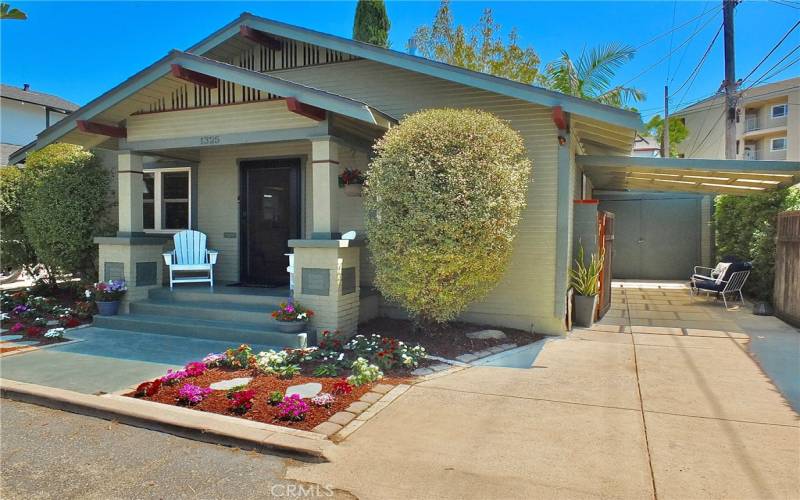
[662,400]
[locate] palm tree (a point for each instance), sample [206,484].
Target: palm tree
[591,75]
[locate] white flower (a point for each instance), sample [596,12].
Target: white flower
[54,333]
[87,294]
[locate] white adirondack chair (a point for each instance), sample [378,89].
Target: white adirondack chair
[190,254]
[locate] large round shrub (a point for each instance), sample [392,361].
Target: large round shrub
[15,251]
[443,198]
[64,206]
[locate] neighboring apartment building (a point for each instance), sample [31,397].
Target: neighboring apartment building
[646,146]
[24,113]
[767,124]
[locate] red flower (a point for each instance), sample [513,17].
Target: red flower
[34,331]
[70,322]
[147,388]
[342,387]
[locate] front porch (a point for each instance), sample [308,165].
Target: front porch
[256,202]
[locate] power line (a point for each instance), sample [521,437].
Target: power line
[696,71]
[685,50]
[781,70]
[785,3]
[669,61]
[670,53]
[700,145]
[662,35]
[774,48]
[773,67]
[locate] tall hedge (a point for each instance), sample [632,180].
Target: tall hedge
[746,228]
[443,199]
[15,250]
[63,208]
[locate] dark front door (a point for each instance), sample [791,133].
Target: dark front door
[270,217]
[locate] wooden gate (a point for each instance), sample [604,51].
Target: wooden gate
[786,294]
[605,222]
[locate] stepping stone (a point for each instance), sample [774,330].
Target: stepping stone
[421,371]
[308,390]
[466,358]
[486,334]
[52,322]
[224,385]
[8,338]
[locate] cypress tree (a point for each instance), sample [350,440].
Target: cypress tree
[371,23]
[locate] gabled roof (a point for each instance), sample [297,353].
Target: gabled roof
[272,84]
[503,86]
[40,98]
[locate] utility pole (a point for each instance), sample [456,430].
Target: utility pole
[730,80]
[665,139]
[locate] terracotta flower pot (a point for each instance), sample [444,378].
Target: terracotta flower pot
[353,189]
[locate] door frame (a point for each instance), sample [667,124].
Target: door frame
[242,198]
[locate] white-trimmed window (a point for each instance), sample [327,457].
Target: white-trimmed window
[777,144]
[779,110]
[167,205]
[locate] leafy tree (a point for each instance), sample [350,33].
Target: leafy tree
[480,48]
[65,200]
[7,12]
[371,23]
[443,199]
[677,132]
[746,228]
[15,251]
[591,76]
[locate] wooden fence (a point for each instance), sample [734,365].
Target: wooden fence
[787,268]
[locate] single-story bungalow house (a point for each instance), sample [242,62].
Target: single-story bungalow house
[243,136]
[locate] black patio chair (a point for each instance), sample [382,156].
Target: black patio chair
[720,281]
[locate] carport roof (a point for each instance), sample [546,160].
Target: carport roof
[738,177]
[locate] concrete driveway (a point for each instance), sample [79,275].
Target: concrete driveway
[661,400]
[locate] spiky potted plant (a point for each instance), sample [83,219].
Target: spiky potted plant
[585,279]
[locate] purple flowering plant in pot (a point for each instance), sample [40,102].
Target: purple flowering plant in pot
[291,317]
[107,295]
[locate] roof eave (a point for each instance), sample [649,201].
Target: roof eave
[530,93]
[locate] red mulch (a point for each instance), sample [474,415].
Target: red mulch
[448,340]
[262,411]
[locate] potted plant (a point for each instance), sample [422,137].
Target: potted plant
[586,283]
[107,295]
[291,318]
[352,179]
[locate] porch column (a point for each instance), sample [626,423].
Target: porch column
[132,255]
[325,173]
[130,192]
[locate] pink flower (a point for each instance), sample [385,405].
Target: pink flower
[192,394]
[292,408]
[18,327]
[195,369]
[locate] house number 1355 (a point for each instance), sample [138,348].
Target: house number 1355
[209,139]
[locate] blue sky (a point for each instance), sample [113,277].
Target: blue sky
[81,49]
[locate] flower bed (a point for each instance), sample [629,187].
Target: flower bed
[345,370]
[42,314]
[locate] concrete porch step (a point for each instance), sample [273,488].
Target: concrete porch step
[234,331]
[267,297]
[255,314]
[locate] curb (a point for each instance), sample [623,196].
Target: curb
[183,422]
